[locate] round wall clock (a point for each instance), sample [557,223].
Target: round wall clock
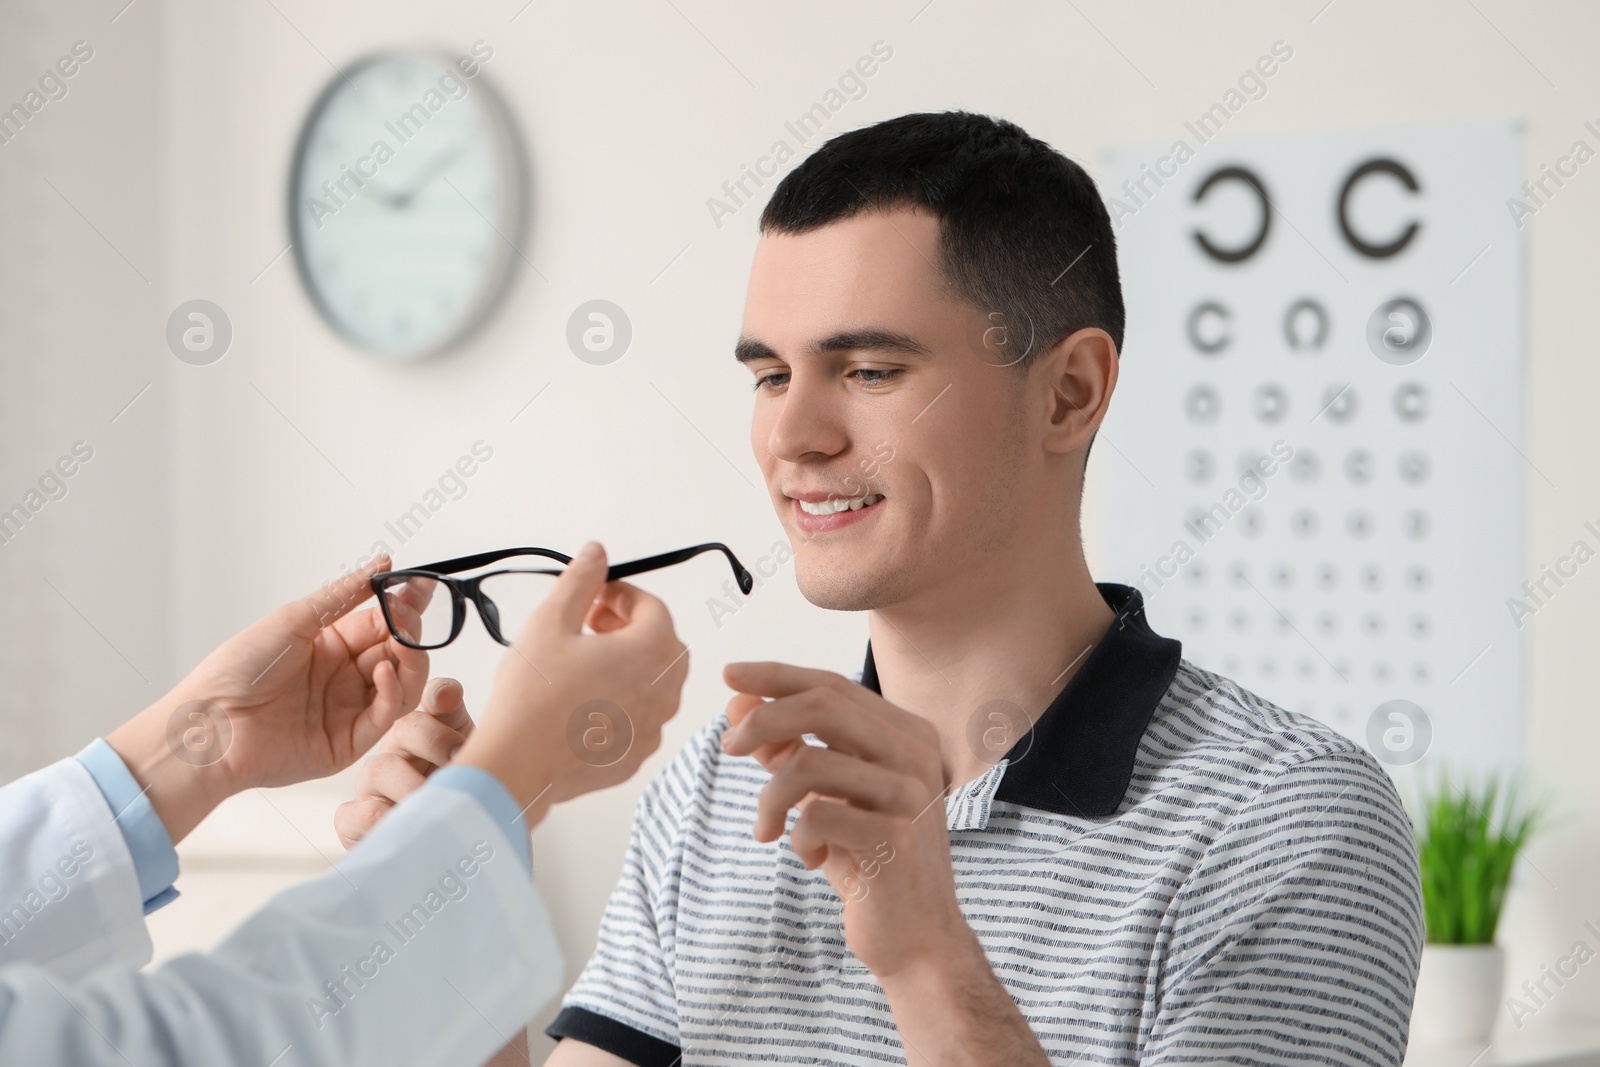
[406,201]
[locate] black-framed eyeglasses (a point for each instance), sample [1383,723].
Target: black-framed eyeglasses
[419,617]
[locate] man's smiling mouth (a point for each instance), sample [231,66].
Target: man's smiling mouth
[833,505]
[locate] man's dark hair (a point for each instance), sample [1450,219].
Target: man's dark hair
[1022,229]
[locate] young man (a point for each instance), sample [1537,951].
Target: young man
[1032,833]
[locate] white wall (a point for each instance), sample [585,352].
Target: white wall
[635,114]
[84,623]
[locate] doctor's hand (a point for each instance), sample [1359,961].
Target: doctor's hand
[570,712]
[298,695]
[416,746]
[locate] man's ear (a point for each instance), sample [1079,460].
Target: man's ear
[1077,377]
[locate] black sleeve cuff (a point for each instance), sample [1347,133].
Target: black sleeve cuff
[619,1039]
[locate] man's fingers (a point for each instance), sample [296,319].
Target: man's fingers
[836,720]
[770,756]
[741,706]
[833,774]
[770,679]
[354,819]
[827,828]
[790,685]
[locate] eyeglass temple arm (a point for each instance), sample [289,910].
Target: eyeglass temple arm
[667,559]
[613,573]
[483,559]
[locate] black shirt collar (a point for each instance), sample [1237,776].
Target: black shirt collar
[1078,758]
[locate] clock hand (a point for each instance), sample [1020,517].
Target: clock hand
[435,167]
[384,194]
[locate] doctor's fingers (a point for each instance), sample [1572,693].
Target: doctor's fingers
[610,608]
[446,701]
[426,741]
[652,648]
[633,615]
[410,669]
[306,617]
[354,819]
[389,776]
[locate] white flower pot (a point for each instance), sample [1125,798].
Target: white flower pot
[1458,993]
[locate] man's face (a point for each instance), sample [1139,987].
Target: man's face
[893,449]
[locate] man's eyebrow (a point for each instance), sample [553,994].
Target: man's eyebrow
[863,340]
[748,350]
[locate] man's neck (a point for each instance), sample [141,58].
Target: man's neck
[1016,636]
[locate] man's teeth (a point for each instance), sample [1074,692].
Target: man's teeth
[837,504]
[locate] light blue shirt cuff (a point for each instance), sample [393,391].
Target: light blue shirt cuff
[496,800]
[155,861]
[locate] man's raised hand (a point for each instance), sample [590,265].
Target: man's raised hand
[871,807]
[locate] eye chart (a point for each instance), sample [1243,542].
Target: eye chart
[1313,462]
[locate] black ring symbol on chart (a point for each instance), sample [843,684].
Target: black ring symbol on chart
[1291,325]
[1272,402]
[1202,404]
[1366,248]
[1411,402]
[1223,337]
[1243,252]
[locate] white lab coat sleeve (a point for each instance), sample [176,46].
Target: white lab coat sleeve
[69,894]
[425,945]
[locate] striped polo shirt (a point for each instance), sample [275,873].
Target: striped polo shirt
[1166,869]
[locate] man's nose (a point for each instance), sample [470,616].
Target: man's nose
[810,424]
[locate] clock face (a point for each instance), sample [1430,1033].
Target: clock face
[406,196]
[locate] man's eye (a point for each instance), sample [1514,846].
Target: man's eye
[875,375]
[775,380]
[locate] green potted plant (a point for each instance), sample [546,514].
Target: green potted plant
[1469,836]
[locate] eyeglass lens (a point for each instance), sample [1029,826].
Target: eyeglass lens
[508,597]
[421,610]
